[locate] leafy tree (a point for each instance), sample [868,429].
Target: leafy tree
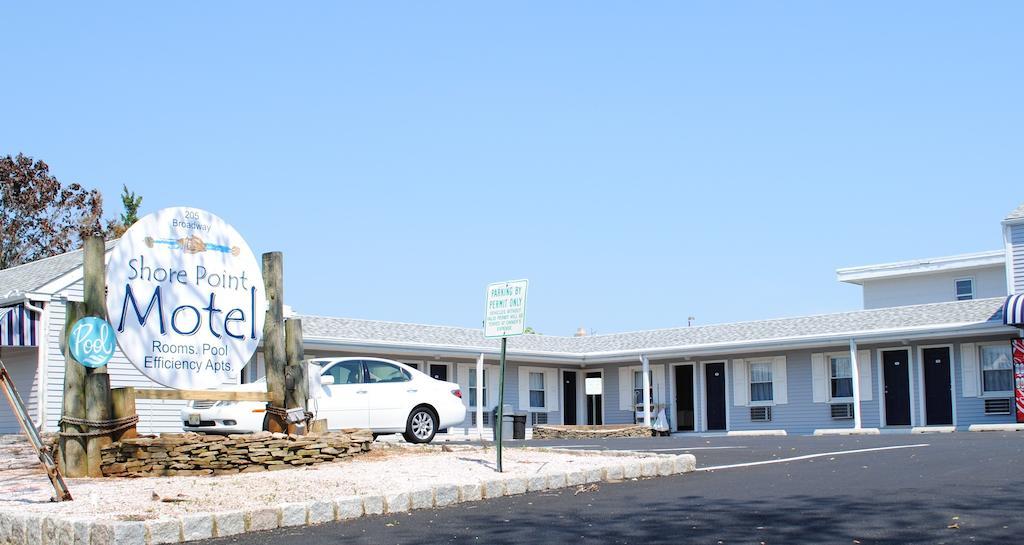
[131,203]
[530,331]
[39,217]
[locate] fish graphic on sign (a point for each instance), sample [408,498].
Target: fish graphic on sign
[192,245]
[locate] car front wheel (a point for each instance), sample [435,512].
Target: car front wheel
[421,426]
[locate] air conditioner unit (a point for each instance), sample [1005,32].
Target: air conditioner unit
[538,418]
[998,406]
[760,414]
[841,411]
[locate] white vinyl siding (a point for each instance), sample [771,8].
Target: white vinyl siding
[22,364]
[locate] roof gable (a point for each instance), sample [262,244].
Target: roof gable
[32,276]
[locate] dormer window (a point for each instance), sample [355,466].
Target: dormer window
[964,288]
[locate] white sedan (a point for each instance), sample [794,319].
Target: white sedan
[381,395]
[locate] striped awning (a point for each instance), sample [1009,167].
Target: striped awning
[1013,310]
[18,326]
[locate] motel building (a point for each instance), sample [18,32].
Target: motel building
[930,349]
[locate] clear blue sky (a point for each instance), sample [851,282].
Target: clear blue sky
[638,162]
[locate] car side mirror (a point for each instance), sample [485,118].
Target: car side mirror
[326,380]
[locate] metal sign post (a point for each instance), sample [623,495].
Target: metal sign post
[504,317]
[501,400]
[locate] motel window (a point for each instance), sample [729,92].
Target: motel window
[841,375]
[761,381]
[964,288]
[638,387]
[996,368]
[473,390]
[537,390]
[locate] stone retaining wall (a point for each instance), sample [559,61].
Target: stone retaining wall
[590,432]
[197,454]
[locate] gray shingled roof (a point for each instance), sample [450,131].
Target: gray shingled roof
[979,311]
[1017,213]
[32,275]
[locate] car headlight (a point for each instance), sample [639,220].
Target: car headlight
[226,403]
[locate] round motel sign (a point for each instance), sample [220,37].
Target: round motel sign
[91,342]
[185,297]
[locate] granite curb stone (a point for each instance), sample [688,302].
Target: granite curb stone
[22,529]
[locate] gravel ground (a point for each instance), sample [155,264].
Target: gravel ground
[380,471]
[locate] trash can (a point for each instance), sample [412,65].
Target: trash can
[506,425]
[519,425]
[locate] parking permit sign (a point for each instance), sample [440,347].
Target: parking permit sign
[505,313]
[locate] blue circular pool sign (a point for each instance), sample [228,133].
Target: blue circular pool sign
[92,341]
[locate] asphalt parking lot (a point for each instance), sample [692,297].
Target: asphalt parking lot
[933,488]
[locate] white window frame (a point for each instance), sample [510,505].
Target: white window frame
[482,393]
[750,381]
[530,390]
[639,373]
[956,294]
[981,372]
[828,369]
[551,390]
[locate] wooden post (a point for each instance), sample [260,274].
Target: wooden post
[123,406]
[97,390]
[273,335]
[298,394]
[72,449]
[97,381]
[94,277]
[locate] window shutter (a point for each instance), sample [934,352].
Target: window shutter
[462,372]
[740,383]
[780,386]
[864,372]
[524,389]
[625,388]
[819,378]
[551,389]
[969,369]
[658,384]
[492,385]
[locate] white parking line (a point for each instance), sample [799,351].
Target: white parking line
[809,456]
